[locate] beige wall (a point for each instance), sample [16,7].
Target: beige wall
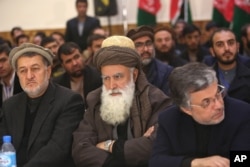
[52,14]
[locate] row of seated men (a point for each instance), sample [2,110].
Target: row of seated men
[158,55]
[109,63]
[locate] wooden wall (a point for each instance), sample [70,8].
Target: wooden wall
[115,30]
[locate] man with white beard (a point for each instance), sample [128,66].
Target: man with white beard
[119,125]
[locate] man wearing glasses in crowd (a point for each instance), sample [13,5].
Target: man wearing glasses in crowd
[156,71]
[203,126]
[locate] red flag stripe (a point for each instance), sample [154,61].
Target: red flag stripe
[150,6]
[226,8]
[243,4]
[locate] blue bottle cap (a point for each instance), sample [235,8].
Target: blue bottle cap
[6,139]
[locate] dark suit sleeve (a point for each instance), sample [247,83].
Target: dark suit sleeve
[161,154]
[68,32]
[58,148]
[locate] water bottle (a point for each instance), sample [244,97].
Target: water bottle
[8,153]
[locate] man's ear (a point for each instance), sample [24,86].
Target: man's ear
[212,51]
[135,74]
[238,46]
[186,110]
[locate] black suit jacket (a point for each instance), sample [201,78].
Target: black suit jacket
[177,139]
[17,89]
[92,80]
[50,139]
[72,35]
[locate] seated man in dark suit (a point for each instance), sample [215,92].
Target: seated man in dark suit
[202,127]
[42,118]
[79,78]
[9,82]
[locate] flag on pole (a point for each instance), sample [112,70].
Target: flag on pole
[188,13]
[175,10]
[223,12]
[147,12]
[241,15]
[180,9]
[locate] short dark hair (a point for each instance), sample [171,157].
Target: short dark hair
[243,31]
[94,37]
[190,28]
[4,48]
[57,33]
[81,1]
[217,31]
[141,31]
[211,24]
[21,36]
[66,49]
[47,40]
[166,28]
[41,34]
[14,29]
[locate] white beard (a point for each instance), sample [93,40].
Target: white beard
[116,109]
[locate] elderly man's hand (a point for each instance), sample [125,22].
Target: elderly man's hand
[216,161]
[149,131]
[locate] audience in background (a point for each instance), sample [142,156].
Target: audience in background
[231,72]
[210,27]
[38,37]
[52,44]
[178,29]
[15,31]
[23,38]
[100,31]
[245,39]
[77,77]
[79,27]
[58,36]
[94,43]
[164,42]
[193,52]
[156,71]
[9,82]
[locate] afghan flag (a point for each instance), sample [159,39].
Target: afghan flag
[180,9]
[147,12]
[176,7]
[241,15]
[223,12]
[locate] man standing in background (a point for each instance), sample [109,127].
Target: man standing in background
[78,28]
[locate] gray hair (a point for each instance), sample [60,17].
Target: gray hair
[187,79]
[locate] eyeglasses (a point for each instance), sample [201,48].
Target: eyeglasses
[208,102]
[141,45]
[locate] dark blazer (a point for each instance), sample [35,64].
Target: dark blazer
[210,60]
[176,135]
[50,139]
[17,89]
[71,32]
[157,74]
[92,80]
[240,85]
[202,52]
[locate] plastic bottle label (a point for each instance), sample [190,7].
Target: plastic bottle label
[8,159]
